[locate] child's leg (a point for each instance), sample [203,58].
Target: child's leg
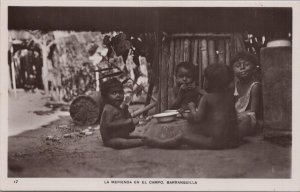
[121,143]
[247,124]
[198,141]
[165,144]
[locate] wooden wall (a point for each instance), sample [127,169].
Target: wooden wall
[199,49]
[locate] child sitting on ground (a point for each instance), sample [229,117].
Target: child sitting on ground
[116,123]
[214,124]
[185,90]
[248,93]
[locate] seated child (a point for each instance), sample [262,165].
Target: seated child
[116,123]
[248,92]
[214,124]
[185,91]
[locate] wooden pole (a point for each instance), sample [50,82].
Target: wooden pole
[177,52]
[158,60]
[227,52]
[186,50]
[204,54]
[171,70]
[164,75]
[143,110]
[181,59]
[221,51]
[194,52]
[97,79]
[211,51]
[171,64]
[200,63]
[13,73]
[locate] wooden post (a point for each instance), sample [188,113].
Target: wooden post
[221,50]
[195,52]
[171,64]
[13,73]
[227,52]
[211,51]
[186,51]
[164,75]
[171,68]
[194,57]
[199,63]
[204,54]
[177,52]
[97,79]
[158,54]
[181,53]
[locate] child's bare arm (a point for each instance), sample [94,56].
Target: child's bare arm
[116,124]
[197,116]
[177,97]
[256,99]
[176,101]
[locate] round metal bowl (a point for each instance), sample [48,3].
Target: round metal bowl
[186,113]
[165,117]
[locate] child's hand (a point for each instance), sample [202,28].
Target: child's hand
[191,86]
[182,88]
[191,105]
[181,110]
[135,121]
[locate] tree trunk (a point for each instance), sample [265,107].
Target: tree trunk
[45,68]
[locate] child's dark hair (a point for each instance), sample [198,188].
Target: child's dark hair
[246,56]
[186,65]
[107,85]
[218,77]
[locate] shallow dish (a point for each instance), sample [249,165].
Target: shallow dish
[165,117]
[171,110]
[185,114]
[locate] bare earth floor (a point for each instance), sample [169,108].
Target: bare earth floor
[30,154]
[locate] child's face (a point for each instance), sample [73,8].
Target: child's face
[115,96]
[243,69]
[183,76]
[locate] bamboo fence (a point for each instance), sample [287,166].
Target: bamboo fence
[199,49]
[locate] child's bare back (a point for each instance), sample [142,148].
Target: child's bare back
[216,120]
[214,124]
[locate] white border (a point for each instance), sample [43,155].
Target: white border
[83,184]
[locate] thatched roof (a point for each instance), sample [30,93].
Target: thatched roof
[148,19]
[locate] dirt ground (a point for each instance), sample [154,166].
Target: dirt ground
[31,154]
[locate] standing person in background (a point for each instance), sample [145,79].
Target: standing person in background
[248,93]
[38,63]
[84,80]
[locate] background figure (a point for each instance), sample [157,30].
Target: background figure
[84,80]
[38,63]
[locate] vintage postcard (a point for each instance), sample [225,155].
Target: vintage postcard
[149,95]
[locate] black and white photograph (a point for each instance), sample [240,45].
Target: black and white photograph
[148,96]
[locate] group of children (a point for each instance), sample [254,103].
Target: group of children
[228,111]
